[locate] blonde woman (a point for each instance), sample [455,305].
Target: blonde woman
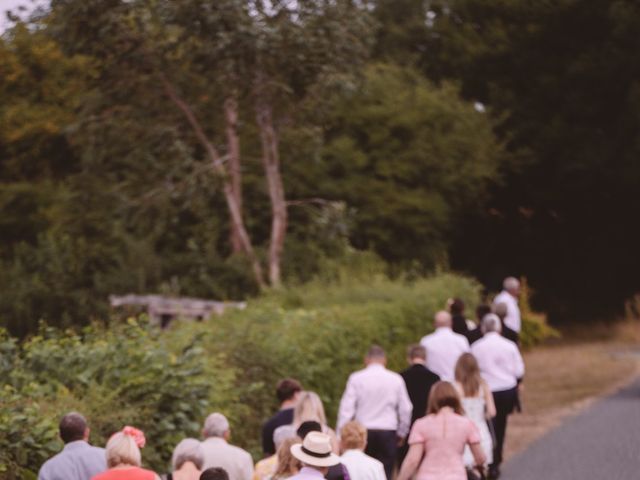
[477,402]
[124,458]
[288,465]
[309,408]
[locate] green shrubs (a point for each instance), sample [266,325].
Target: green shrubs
[125,375]
[166,382]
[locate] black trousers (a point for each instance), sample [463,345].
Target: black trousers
[505,401]
[383,445]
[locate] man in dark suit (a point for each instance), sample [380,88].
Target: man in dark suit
[419,380]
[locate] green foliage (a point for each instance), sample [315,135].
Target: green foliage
[535,328]
[167,382]
[400,133]
[122,375]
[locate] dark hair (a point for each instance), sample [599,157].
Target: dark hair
[481,311]
[376,351]
[443,394]
[214,473]
[287,388]
[72,427]
[308,426]
[416,351]
[456,307]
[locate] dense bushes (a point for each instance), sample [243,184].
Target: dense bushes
[167,382]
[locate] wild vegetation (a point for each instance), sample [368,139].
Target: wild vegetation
[167,382]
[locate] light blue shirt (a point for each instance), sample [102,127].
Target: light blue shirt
[77,461]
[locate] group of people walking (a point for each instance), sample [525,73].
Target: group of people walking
[443,418]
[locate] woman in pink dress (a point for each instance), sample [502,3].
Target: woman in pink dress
[441,437]
[124,459]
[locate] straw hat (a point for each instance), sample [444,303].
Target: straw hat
[315,450]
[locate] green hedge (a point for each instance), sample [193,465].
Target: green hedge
[166,382]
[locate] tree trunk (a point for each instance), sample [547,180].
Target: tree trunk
[235,213]
[271,163]
[233,144]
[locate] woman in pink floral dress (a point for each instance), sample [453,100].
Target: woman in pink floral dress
[441,437]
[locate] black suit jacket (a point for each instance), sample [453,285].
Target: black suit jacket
[419,380]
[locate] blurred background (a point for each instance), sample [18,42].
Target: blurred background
[217,149]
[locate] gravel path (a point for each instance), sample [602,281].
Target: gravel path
[602,443]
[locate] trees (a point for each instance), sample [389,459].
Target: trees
[409,157]
[214,62]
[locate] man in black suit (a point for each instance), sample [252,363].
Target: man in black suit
[419,380]
[287,391]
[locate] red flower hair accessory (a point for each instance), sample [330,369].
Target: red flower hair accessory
[137,435]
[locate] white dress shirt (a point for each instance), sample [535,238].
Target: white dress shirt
[444,347]
[236,461]
[512,320]
[378,399]
[500,362]
[362,467]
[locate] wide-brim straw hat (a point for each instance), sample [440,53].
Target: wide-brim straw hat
[315,450]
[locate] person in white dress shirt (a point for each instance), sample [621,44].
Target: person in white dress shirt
[316,455]
[378,399]
[219,453]
[353,441]
[502,367]
[444,347]
[509,296]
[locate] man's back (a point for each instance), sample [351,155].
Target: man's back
[282,417]
[499,360]
[377,398]
[419,380]
[512,319]
[77,461]
[236,461]
[444,347]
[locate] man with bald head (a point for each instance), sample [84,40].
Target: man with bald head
[444,347]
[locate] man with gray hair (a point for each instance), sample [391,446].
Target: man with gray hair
[378,399]
[219,453]
[502,367]
[78,460]
[509,296]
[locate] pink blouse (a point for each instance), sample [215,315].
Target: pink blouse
[444,436]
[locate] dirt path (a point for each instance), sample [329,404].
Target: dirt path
[565,379]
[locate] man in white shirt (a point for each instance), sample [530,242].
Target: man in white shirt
[78,460]
[502,367]
[509,296]
[378,399]
[444,347]
[218,453]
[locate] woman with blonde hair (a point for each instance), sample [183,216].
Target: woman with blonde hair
[123,457]
[288,465]
[477,402]
[437,441]
[309,408]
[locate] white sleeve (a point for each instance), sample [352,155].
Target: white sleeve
[518,363]
[405,409]
[347,409]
